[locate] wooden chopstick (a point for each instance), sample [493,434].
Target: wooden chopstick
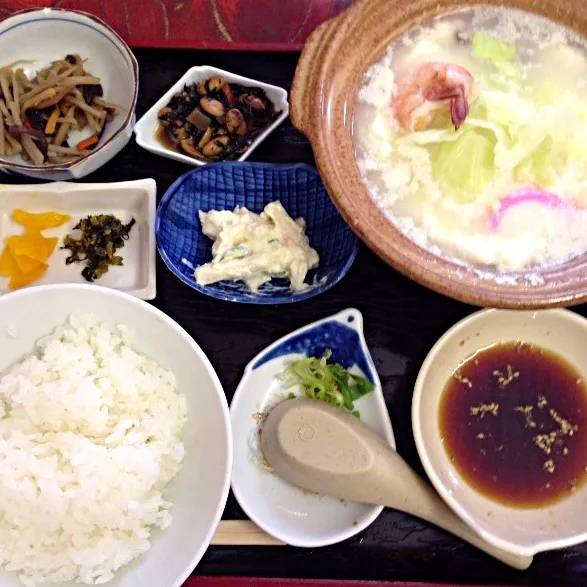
[242,533]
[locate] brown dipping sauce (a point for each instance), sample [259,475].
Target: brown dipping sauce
[513,420]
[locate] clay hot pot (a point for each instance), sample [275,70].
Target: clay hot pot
[323,101]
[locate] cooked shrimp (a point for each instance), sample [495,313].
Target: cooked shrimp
[428,90]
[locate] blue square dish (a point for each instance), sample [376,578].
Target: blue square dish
[223,186]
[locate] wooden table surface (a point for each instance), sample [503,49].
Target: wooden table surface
[402,322]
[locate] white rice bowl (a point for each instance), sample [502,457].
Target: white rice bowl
[95,469]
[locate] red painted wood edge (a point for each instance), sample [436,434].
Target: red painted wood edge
[258,582]
[246,25]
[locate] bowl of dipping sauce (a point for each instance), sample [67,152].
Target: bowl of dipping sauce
[500,421]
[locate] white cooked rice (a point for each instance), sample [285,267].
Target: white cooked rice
[90,435]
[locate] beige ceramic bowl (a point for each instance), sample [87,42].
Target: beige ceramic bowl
[521,531]
[322,106]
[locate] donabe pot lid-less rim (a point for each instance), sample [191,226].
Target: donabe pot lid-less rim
[323,102]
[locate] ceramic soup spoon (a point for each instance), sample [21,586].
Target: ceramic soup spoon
[322,448]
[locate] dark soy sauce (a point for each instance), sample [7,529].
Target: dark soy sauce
[513,419]
[162,136]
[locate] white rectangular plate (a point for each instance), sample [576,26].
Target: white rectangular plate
[146,127]
[125,200]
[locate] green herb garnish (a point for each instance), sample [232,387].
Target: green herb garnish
[327,382]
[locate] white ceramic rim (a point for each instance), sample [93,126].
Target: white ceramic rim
[241,498]
[451,334]
[213,376]
[144,132]
[107,31]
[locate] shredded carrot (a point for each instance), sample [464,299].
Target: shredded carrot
[228,93]
[52,122]
[87,143]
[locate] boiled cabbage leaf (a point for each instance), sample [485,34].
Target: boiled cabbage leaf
[539,167]
[492,49]
[465,166]
[520,127]
[497,52]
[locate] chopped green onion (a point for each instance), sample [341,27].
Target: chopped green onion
[327,382]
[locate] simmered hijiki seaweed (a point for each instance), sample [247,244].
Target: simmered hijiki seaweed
[213,120]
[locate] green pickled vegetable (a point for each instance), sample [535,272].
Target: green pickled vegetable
[327,382]
[101,237]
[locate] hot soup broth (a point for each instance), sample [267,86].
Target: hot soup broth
[471,134]
[513,420]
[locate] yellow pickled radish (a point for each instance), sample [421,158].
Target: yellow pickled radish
[8,265]
[24,257]
[40,221]
[20,279]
